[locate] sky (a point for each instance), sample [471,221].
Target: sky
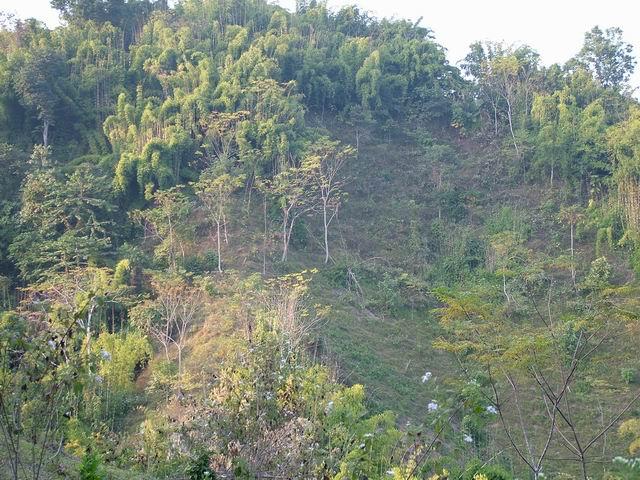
[554,28]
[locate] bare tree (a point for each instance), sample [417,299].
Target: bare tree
[214,189]
[326,159]
[288,309]
[172,314]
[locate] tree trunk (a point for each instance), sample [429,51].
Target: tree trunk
[45,132]
[326,234]
[218,245]
[513,136]
[264,240]
[573,267]
[285,238]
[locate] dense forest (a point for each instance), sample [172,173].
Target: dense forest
[247,243]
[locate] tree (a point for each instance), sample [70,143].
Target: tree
[221,131]
[572,216]
[368,82]
[40,366]
[504,76]
[66,221]
[624,148]
[325,160]
[214,189]
[36,80]
[168,222]
[127,15]
[607,56]
[293,189]
[540,362]
[172,314]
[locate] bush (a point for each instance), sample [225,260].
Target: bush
[91,467]
[628,375]
[202,263]
[163,377]
[509,220]
[198,468]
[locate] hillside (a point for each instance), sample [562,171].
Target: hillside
[242,242]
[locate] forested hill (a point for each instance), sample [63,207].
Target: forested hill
[242,242]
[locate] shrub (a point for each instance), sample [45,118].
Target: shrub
[628,375]
[199,469]
[91,467]
[202,263]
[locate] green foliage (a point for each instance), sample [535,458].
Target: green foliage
[199,468]
[122,355]
[607,56]
[140,110]
[67,222]
[599,275]
[91,467]
[168,219]
[164,375]
[508,219]
[206,262]
[40,369]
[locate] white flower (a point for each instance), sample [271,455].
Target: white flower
[98,379]
[433,406]
[52,344]
[368,435]
[362,445]
[491,409]
[426,377]
[105,355]
[390,472]
[329,407]
[467,438]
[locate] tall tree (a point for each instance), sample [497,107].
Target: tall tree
[214,189]
[293,189]
[35,81]
[170,317]
[325,161]
[168,222]
[67,222]
[607,56]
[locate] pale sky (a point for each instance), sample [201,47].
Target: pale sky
[555,28]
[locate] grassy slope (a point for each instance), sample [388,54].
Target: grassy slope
[389,351]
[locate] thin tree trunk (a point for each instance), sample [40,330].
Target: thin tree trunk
[285,238]
[326,234]
[573,267]
[218,245]
[45,132]
[513,136]
[264,240]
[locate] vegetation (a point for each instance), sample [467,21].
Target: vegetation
[242,242]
